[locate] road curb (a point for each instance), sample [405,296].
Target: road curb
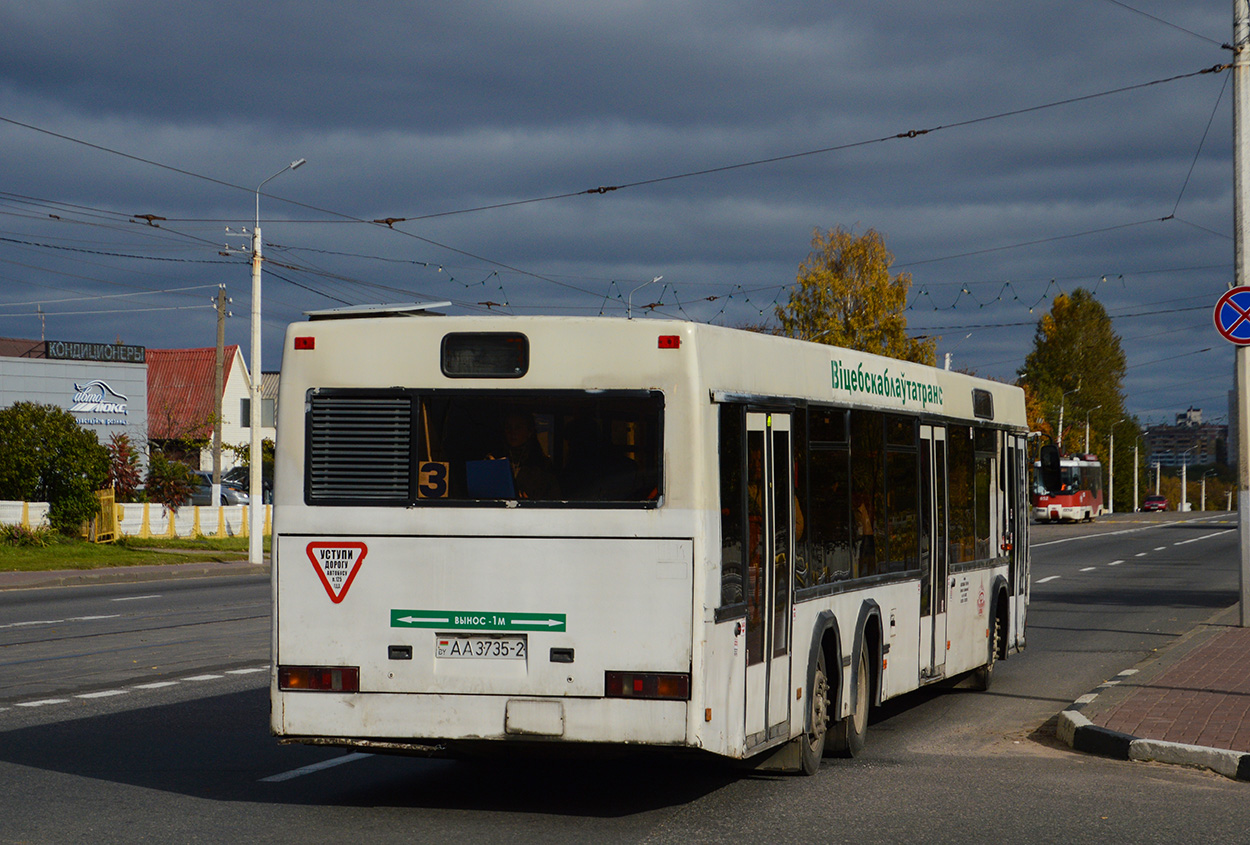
[126,574]
[1080,734]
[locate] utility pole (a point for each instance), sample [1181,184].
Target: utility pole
[219,385]
[1241,172]
[1111,473]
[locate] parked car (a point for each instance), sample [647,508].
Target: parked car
[239,477]
[201,494]
[1155,503]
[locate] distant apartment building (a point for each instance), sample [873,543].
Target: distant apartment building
[1190,441]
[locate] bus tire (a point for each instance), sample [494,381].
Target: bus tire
[982,676]
[814,741]
[848,735]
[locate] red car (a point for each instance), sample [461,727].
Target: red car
[1155,503]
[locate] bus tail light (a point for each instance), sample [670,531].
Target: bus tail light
[319,678]
[672,686]
[305,343]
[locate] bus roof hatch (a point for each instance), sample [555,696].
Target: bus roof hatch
[403,309]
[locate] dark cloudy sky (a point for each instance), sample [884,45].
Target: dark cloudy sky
[114,109]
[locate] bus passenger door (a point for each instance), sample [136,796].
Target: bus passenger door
[770,576]
[933,544]
[1018,517]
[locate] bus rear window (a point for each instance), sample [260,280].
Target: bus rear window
[485,355]
[481,447]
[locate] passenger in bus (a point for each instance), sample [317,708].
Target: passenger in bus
[866,558]
[531,468]
[594,469]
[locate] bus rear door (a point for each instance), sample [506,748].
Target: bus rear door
[770,568]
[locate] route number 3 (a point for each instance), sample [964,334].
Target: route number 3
[432,480]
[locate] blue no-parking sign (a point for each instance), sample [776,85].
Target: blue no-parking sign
[1232,315]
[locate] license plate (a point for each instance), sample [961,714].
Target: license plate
[480,647]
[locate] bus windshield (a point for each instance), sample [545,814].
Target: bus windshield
[482,446]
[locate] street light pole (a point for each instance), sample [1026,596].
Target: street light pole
[1066,393]
[1111,470]
[1185,479]
[255,487]
[1241,276]
[1087,413]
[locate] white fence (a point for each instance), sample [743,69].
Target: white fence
[145,519]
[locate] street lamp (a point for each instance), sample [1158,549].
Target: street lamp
[1185,478]
[1066,393]
[629,304]
[1204,488]
[953,348]
[1111,467]
[255,495]
[1087,413]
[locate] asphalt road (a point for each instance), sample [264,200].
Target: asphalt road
[178,749]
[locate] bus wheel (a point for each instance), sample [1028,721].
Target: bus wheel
[983,675]
[814,741]
[849,735]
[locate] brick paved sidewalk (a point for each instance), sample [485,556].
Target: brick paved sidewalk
[1189,704]
[1203,699]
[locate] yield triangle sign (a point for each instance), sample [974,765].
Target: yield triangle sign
[337,565]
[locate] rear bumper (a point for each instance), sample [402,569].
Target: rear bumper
[423,721]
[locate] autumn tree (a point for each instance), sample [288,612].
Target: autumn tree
[168,481]
[123,473]
[846,296]
[1077,363]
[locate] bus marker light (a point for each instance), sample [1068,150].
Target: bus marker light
[673,686]
[305,343]
[319,678]
[707,714]
[670,341]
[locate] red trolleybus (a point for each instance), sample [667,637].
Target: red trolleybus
[1079,495]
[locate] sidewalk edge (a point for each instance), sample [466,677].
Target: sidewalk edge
[1080,734]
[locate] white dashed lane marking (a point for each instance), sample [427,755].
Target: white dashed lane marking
[152,685]
[1139,554]
[58,621]
[316,767]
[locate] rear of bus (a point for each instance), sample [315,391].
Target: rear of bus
[479,536]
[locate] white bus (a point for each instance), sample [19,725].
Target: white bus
[516,532]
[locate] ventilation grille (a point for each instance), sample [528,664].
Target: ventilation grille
[359,448]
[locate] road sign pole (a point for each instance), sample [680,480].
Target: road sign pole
[1241,217]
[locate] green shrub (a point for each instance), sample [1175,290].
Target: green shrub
[45,456]
[20,535]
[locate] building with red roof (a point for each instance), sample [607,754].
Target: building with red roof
[181,404]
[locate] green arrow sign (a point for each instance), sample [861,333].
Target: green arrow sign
[461,620]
